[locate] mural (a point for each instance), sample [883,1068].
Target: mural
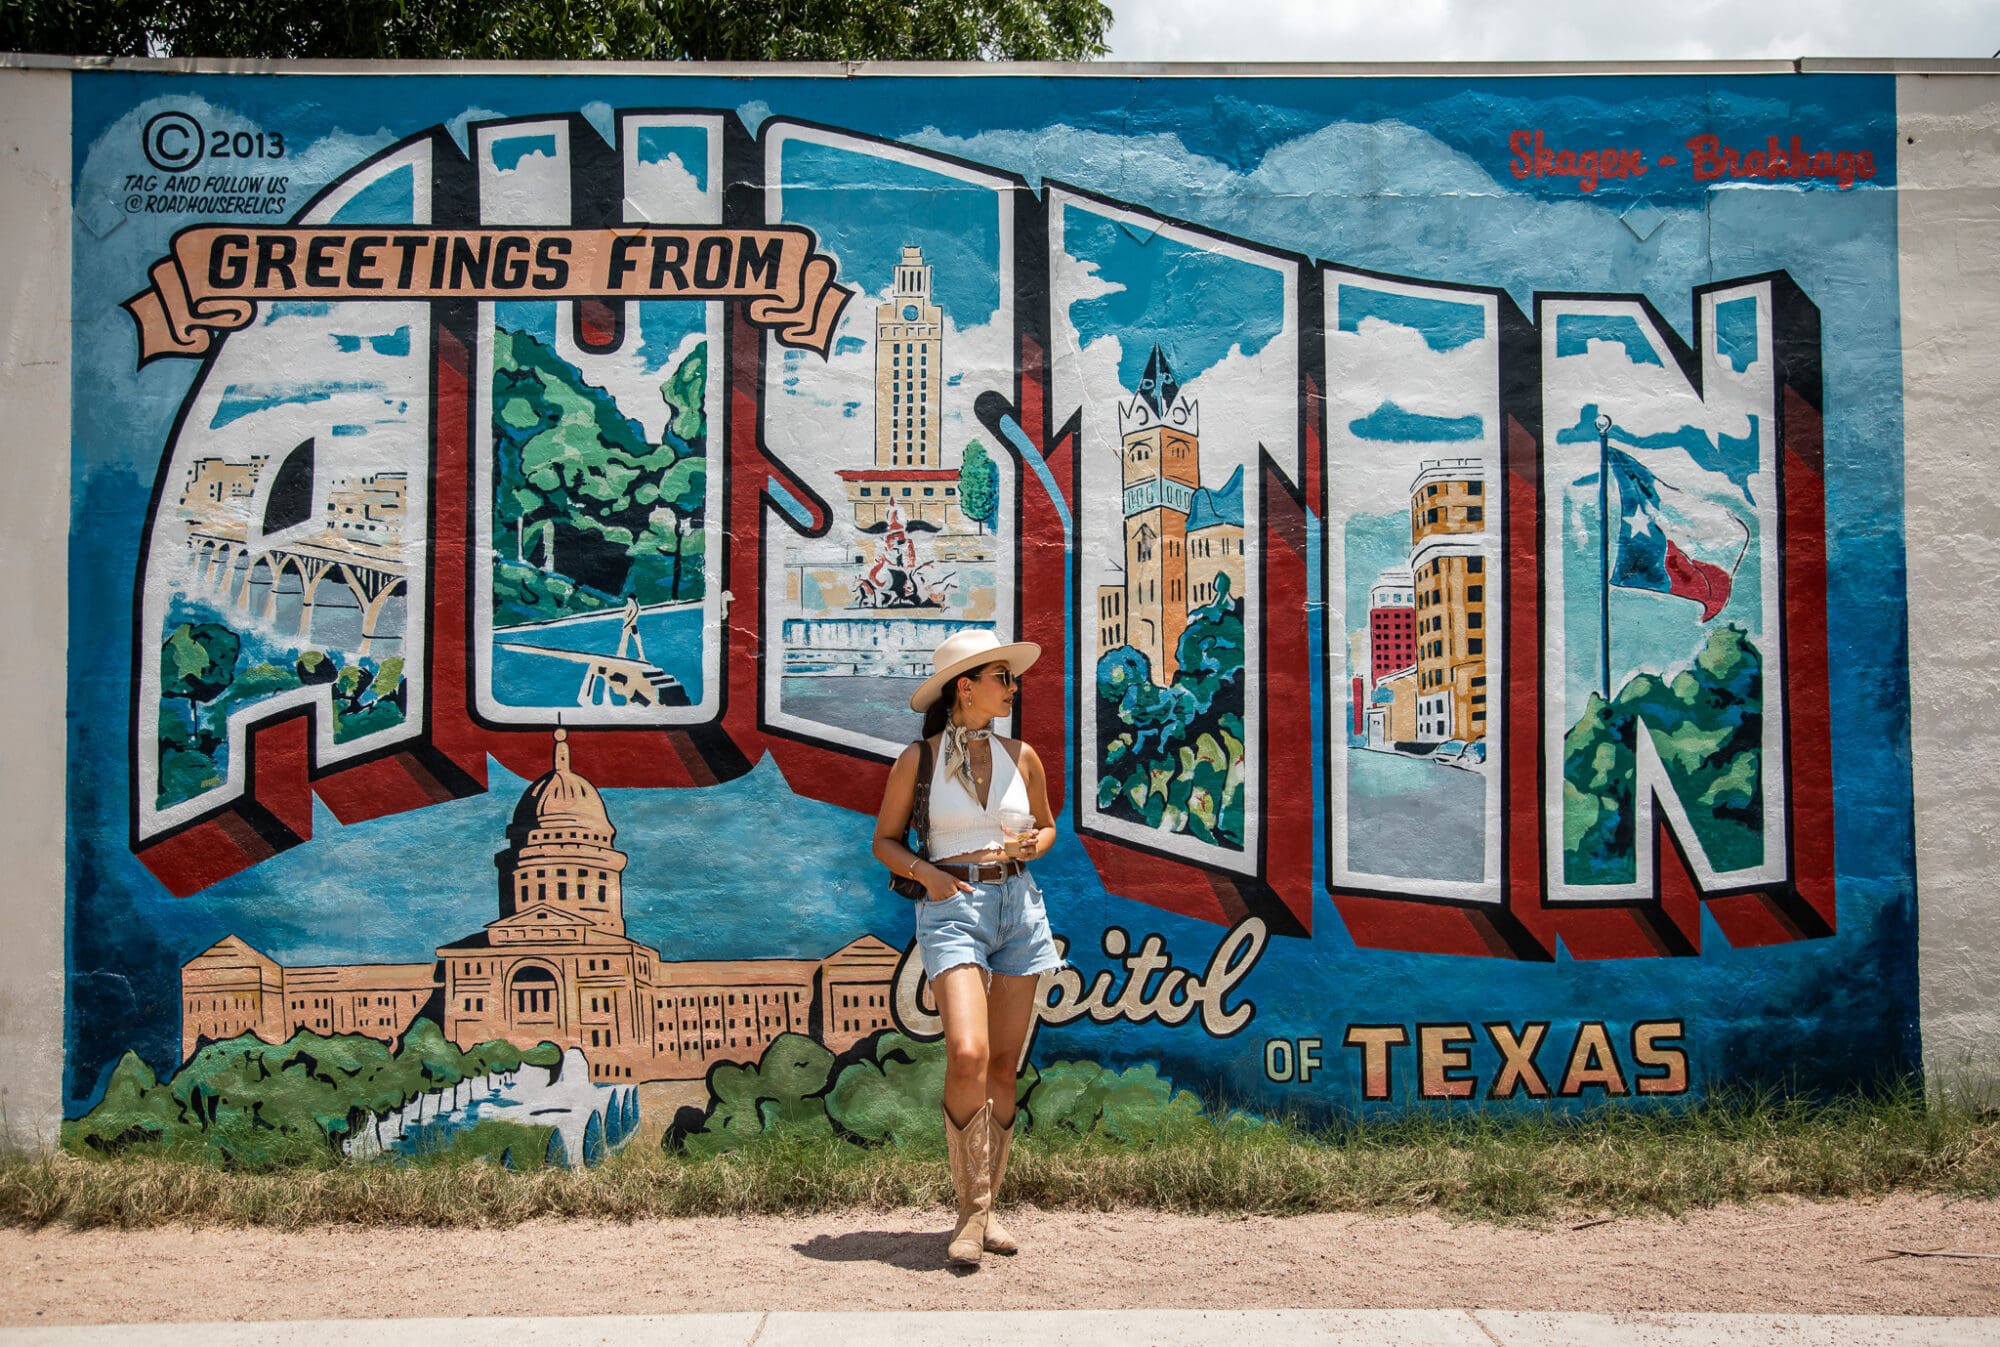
[1469,568]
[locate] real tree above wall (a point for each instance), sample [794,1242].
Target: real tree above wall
[526,30]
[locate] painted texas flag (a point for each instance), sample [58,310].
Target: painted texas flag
[1671,541]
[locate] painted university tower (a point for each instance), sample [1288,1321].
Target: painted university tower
[556,967]
[1180,539]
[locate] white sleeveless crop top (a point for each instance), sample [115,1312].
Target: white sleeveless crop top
[958,824]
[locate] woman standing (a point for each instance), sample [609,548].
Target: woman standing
[982,930]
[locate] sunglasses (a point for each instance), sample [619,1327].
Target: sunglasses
[1004,675]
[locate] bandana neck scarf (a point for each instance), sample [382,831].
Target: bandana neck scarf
[958,741]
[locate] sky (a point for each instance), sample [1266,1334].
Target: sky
[1547,30]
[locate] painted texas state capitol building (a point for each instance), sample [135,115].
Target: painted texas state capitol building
[556,967]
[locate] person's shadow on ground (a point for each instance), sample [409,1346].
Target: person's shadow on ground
[911,1250]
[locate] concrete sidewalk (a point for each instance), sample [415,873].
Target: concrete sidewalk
[1063,1328]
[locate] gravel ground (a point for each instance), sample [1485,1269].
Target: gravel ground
[1791,1256]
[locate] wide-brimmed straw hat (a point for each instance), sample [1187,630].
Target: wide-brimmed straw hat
[964,651]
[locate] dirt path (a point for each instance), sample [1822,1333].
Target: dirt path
[1792,1256]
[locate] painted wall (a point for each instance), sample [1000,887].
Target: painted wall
[1463,518]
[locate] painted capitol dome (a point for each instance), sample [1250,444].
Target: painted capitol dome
[561,801]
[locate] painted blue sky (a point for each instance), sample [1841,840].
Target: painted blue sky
[509,151]
[867,208]
[689,144]
[1374,543]
[1735,457]
[1736,332]
[1575,332]
[1395,424]
[1445,325]
[1193,303]
[387,200]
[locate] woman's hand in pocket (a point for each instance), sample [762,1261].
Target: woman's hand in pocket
[943,886]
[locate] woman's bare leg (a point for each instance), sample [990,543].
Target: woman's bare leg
[1010,1008]
[962,1004]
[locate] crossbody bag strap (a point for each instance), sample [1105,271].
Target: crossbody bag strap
[920,815]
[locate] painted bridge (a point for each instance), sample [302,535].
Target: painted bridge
[222,551]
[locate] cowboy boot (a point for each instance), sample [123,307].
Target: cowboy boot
[998,1240]
[971,1151]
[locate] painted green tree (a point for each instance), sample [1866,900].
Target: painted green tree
[587,512]
[884,1091]
[889,1097]
[1171,756]
[197,662]
[978,487]
[368,696]
[258,1104]
[672,541]
[782,1091]
[1706,724]
[686,392]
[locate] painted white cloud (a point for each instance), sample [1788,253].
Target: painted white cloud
[603,118]
[626,373]
[1078,279]
[1388,362]
[525,193]
[1383,363]
[665,191]
[459,127]
[1247,401]
[1381,196]
[1646,399]
[359,383]
[1112,164]
[330,157]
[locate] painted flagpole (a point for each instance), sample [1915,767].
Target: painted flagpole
[1604,556]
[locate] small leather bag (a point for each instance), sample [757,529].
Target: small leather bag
[903,886]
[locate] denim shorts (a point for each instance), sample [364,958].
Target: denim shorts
[1002,927]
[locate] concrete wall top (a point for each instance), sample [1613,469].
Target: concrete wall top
[1804,65]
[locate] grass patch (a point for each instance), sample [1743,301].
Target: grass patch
[1519,1168]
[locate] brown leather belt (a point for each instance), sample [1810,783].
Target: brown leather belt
[983,872]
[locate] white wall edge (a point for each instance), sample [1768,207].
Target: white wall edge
[34,607]
[1948,230]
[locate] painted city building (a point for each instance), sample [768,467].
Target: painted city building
[555,967]
[1448,565]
